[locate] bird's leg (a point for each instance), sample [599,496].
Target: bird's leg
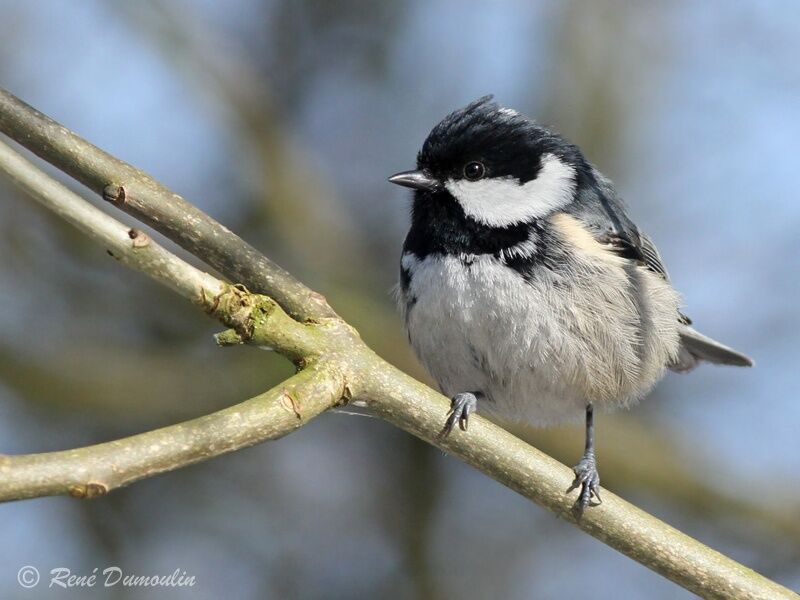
[586,475]
[461,407]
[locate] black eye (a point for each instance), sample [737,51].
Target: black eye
[474,170]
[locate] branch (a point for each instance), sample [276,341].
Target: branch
[354,371]
[412,406]
[96,470]
[132,247]
[138,194]
[254,318]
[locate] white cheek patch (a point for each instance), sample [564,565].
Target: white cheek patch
[503,202]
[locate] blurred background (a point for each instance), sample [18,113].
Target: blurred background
[282,119]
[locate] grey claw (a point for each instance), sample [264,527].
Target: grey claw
[587,477]
[461,407]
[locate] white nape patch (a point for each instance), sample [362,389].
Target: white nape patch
[500,202]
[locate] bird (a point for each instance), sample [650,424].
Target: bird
[526,290]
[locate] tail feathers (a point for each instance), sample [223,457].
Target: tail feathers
[696,347]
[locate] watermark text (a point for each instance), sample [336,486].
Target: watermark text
[63,577]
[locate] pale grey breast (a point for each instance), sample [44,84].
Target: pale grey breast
[539,347]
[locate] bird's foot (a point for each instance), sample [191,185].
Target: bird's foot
[587,477]
[461,407]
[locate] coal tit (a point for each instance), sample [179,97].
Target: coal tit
[526,290]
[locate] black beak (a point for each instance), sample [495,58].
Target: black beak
[416,180]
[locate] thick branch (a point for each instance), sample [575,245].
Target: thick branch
[138,194]
[412,406]
[95,470]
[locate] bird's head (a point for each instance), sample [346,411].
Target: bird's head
[499,167]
